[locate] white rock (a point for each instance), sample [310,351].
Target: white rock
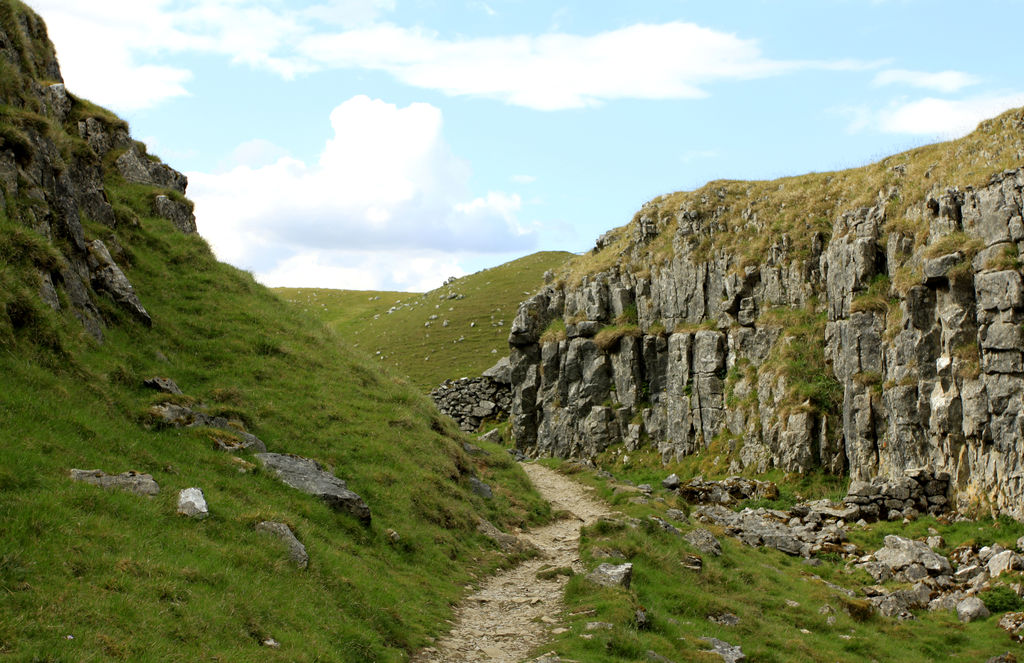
[191,503]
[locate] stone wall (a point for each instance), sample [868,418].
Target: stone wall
[918,341]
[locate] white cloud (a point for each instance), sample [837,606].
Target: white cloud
[941,117]
[354,270]
[106,44]
[386,184]
[556,70]
[942,81]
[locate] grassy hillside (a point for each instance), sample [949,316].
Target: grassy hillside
[129,579]
[88,574]
[407,331]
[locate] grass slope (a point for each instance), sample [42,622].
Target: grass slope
[93,575]
[787,612]
[399,328]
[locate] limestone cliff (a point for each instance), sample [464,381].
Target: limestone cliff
[863,322]
[58,155]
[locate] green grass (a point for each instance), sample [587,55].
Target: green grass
[126,577]
[428,354]
[755,585]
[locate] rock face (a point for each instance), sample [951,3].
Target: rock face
[879,345]
[308,476]
[52,174]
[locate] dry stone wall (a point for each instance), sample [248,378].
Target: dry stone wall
[916,336]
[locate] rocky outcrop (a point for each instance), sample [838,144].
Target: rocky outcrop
[52,175]
[884,343]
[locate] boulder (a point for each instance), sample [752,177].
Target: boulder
[480,488]
[971,609]
[310,477]
[900,554]
[296,551]
[1002,562]
[192,503]
[612,575]
[704,541]
[132,482]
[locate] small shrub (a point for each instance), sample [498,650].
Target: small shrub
[1001,599]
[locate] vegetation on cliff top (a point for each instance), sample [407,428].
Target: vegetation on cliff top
[750,216]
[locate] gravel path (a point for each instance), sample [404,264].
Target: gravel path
[513,611]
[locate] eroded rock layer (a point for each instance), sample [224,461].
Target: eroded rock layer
[884,338]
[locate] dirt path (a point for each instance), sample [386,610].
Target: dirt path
[513,611]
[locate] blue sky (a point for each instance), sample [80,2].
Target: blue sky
[389,144]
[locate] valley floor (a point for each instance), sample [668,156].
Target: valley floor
[512,612]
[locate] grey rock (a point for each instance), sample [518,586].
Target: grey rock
[506,542]
[612,575]
[192,503]
[179,416]
[704,541]
[1002,562]
[724,619]
[108,277]
[729,653]
[480,488]
[971,609]
[296,551]
[501,372]
[899,554]
[310,477]
[137,167]
[166,385]
[671,482]
[178,212]
[132,482]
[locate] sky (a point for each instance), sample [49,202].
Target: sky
[390,144]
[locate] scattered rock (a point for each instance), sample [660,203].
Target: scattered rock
[1013,623]
[310,477]
[971,609]
[728,491]
[704,541]
[671,482]
[1003,658]
[506,542]
[132,482]
[724,619]
[179,416]
[166,385]
[296,551]
[481,488]
[192,503]
[729,653]
[612,575]
[692,562]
